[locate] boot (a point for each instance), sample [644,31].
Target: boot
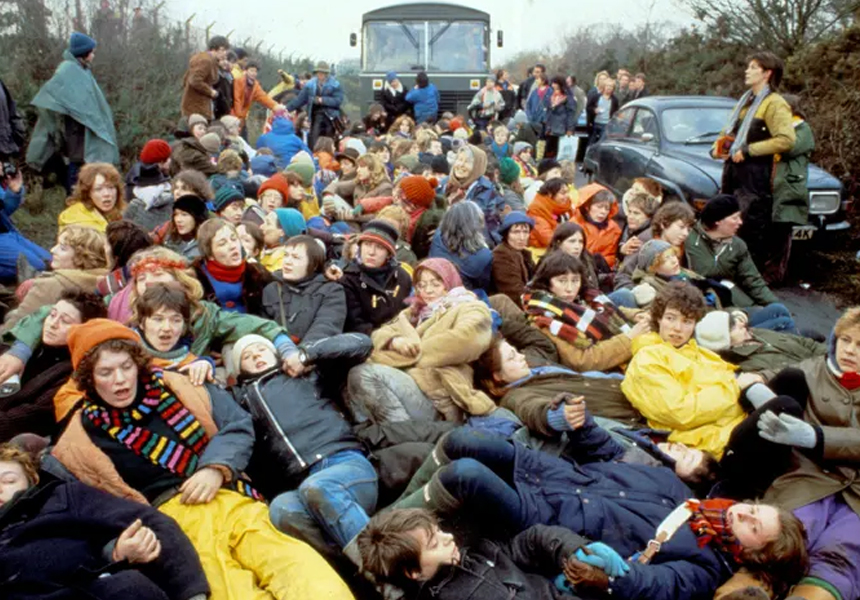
[435,461]
[433,497]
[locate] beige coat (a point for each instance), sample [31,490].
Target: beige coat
[836,411]
[450,340]
[48,287]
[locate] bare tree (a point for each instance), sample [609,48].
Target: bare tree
[783,26]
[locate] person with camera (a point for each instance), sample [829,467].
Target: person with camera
[13,245]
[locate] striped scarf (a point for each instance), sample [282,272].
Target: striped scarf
[710,523]
[582,325]
[128,428]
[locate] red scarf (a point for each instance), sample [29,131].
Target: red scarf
[226,274]
[710,523]
[850,381]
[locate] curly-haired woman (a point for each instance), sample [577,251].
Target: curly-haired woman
[97,198]
[78,261]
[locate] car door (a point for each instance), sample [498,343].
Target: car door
[636,149]
[609,147]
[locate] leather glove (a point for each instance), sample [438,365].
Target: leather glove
[585,578]
[787,429]
[598,554]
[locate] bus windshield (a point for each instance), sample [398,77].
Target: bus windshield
[434,46]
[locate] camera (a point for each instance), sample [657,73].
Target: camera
[9,170]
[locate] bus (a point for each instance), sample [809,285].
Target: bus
[450,42]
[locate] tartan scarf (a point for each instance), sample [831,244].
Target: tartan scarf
[128,428]
[582,325]
[710,523]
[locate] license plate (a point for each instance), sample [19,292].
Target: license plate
[803,232]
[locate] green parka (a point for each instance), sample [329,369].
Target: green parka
[728,261]
[771,351]
[790,194]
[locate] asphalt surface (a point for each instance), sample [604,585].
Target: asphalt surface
[811,309]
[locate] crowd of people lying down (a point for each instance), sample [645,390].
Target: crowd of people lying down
[416,363]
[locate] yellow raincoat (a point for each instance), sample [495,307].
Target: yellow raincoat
[689,391]
[78,214]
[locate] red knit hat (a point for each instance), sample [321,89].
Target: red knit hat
[85,337]
[418,190]
[155,152]
[278,183]
[456,123]
[380,232]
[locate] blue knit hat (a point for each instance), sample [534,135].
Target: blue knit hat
[292,222]
[81,45]
[226,195]
[390,76]
[514,218]
[264,165]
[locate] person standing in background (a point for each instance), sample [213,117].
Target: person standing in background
[75,120]
[202,77]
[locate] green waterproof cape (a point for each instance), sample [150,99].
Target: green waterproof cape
[73,92]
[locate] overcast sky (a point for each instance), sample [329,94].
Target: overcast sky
[321,29]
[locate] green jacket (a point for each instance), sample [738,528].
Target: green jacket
[72,92]
[728,261]
[213,327]
[770,351]
[531,399]
[790,194]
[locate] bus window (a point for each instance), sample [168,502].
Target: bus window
[458,47]
[394,46]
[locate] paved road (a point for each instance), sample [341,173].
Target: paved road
[811,309]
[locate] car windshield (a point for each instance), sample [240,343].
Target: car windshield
[435,46]
[694,124]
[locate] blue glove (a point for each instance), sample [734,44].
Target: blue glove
[563,585]
[603,557]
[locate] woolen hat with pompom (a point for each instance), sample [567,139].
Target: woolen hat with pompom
[418,190]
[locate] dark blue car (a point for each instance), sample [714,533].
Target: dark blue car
[668,138]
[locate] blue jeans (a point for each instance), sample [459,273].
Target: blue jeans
[481,474]
[334,499]
[774,316]
[11,245]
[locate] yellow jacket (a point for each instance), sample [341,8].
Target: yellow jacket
[689,391]
[310,206]
[273,259]
[78,214]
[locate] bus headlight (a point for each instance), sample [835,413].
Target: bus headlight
[823,203]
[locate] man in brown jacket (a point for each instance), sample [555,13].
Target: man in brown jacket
[201,78]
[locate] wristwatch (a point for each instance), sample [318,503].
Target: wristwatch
[303,357]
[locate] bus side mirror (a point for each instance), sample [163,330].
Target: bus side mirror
[500,38]
[353,40]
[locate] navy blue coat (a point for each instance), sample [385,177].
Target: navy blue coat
[475,269]
[621,505]
[537,108]
[52,545]
[561,119]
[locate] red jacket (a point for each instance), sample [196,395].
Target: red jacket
[601,240]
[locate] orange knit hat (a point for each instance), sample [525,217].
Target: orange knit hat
[85,337]
[278,183]
[418,190]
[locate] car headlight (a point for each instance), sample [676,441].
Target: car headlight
[823,203]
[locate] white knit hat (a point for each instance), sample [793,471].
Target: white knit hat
[713,331]
[244,342]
